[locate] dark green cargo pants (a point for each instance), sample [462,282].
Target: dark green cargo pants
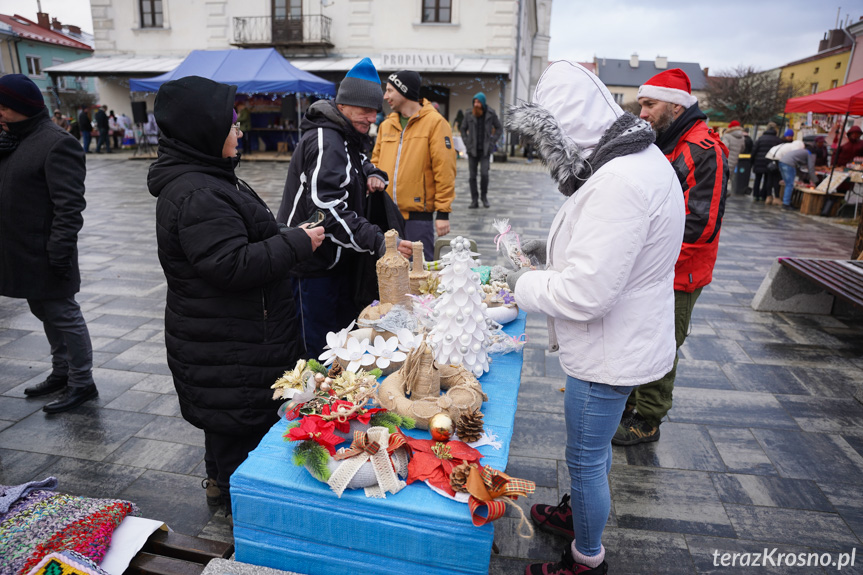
[653,400]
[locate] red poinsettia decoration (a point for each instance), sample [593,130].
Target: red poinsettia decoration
[433,461]
[313,427]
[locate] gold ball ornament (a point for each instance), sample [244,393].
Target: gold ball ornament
[441,427]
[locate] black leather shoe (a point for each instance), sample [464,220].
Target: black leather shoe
[473,205]
[485,203]
[74,397]
[50,385]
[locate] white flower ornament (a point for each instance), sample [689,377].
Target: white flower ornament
[407,341]
[355,353]
[386,351]
[335,342]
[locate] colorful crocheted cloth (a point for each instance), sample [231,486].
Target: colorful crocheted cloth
[43,522]
[66,563]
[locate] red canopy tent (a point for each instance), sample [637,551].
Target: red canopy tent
[847,99]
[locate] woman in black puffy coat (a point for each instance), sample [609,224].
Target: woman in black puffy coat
[765,180]
[230,320]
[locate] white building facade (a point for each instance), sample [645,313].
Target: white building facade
[460,47]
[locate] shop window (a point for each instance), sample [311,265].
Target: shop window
[437,11]
[151,13]
[34,66]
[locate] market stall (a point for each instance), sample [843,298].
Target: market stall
[390,457]
[274,89]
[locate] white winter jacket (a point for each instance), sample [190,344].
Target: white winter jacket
[608,286]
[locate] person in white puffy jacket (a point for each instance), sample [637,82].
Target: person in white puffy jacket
[608,284]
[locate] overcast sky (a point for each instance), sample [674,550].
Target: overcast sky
[717,34]
[720,35]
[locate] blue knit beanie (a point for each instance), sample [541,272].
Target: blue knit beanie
[361,87]
[481,97]
[789,133]
[19,93]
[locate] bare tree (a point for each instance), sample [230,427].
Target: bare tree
[748,95]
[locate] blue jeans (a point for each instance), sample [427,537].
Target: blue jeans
[85,140]
[788,175]
[592,412]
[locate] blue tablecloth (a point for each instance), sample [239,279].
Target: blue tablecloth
[284,518]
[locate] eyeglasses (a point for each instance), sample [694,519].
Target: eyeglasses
[236,127]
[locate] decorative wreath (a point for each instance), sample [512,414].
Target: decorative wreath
[423,379]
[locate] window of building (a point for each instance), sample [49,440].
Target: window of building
[792,75]
[618,98]
[838,65]
[151,13]
[816,70]
[834,83]
[813,87]
[437,11]
[34,66]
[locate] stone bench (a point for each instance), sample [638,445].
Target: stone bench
[803,285]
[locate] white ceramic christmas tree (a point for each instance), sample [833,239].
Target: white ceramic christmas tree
[461,333]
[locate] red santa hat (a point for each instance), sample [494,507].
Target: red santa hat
[669,86]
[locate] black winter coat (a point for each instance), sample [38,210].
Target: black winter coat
[230,320]
[41,200]
[759,152]
[328,172]
[470,128]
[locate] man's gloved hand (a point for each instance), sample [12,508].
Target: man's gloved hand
[512,278]
[61,267]
[535,249]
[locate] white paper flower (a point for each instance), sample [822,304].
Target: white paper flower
[355,353]
[335,342]
[386,351]
[407,340]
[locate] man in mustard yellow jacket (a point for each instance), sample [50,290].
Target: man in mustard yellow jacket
[414,146]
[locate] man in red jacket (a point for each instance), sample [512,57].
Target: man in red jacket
[700,160]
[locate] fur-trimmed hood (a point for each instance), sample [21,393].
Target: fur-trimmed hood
[575,124]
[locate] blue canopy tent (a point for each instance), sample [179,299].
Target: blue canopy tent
[259,71]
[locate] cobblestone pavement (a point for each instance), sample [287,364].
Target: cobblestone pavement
[763,448]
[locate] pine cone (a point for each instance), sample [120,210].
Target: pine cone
[335,370]
[459,475]
[469,427]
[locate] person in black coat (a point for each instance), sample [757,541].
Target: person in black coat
[329,173]
[42,173]
[104,128]
[86,128]
[765,179]
[230,319]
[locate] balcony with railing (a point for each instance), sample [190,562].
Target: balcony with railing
[311,31]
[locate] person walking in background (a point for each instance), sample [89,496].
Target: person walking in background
[850,149]
[699,159]
[103,128]
[42,171]
[230,319]
[86,128]
[793,155]
[60,120]
[607,288]
[415,147]
[744,166]
[330,174]
[114,130]
[734,140]
[765,173]
[480,131]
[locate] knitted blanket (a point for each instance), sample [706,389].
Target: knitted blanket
[42,522]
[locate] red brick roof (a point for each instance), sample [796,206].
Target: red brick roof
[30,30]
